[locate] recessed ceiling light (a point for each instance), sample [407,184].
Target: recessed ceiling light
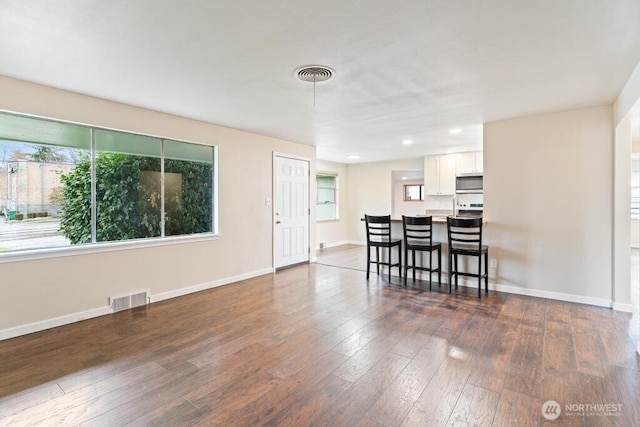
[407,141]
[455,131]
[404,178]
[353,156]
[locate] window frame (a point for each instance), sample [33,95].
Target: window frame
[421,191]
[116,245]
[333,175]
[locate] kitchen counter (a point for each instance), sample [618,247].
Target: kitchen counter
[435,219]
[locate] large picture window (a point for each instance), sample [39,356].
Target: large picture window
[63,184]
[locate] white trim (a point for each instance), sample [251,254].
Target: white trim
[92,248]
[559,296]
[625,308]
[581,299]
[215,192]
[332,245]
[208,285]
[52,323]
[292,156]
[538,293]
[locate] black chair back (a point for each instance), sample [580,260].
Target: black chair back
[465,232]
[378,228]
[417,230]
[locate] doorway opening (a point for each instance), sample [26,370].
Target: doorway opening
[635,208]
[626,213]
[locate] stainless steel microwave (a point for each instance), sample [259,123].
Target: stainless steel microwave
[469,184]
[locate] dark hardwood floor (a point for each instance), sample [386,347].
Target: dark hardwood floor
[318,345]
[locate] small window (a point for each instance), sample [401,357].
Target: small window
[327,199]
[413,193]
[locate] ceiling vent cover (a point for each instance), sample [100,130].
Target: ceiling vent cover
[315,73]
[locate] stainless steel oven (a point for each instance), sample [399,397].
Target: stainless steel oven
[468,205]
[468,184]
[470,213]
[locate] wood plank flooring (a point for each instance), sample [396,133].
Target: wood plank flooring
[318,345]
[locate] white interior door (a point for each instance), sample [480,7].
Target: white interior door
[291,211]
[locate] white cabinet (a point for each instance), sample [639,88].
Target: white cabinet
[467,163]
[440,175]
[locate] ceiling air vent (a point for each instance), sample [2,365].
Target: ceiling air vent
[315,73]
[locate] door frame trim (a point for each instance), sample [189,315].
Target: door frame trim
[276,154]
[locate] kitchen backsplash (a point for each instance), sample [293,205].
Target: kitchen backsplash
[439,212]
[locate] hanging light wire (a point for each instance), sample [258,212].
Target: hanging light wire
[314,74]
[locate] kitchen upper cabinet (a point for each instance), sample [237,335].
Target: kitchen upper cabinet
[440,175]
[467,163]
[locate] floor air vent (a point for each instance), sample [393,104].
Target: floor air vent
[124,302]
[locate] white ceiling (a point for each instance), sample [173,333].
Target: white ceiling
[404,69]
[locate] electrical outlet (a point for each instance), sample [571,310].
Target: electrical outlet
[493,263]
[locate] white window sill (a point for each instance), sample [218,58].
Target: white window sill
[93,248]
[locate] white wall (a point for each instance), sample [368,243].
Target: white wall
[44,289]
[626,107]
[548,198]
[370,191]
[628,97]
[402,207]
[622,226]
[626,118]
[334,233]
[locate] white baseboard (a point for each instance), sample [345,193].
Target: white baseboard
[208,285]
[560,296]
[626,308]
[53,323]
[470,283]
[600,302]
[101,311]
[333,244]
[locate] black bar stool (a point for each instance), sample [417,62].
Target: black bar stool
[379,236]
[465,238]
[417,237]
